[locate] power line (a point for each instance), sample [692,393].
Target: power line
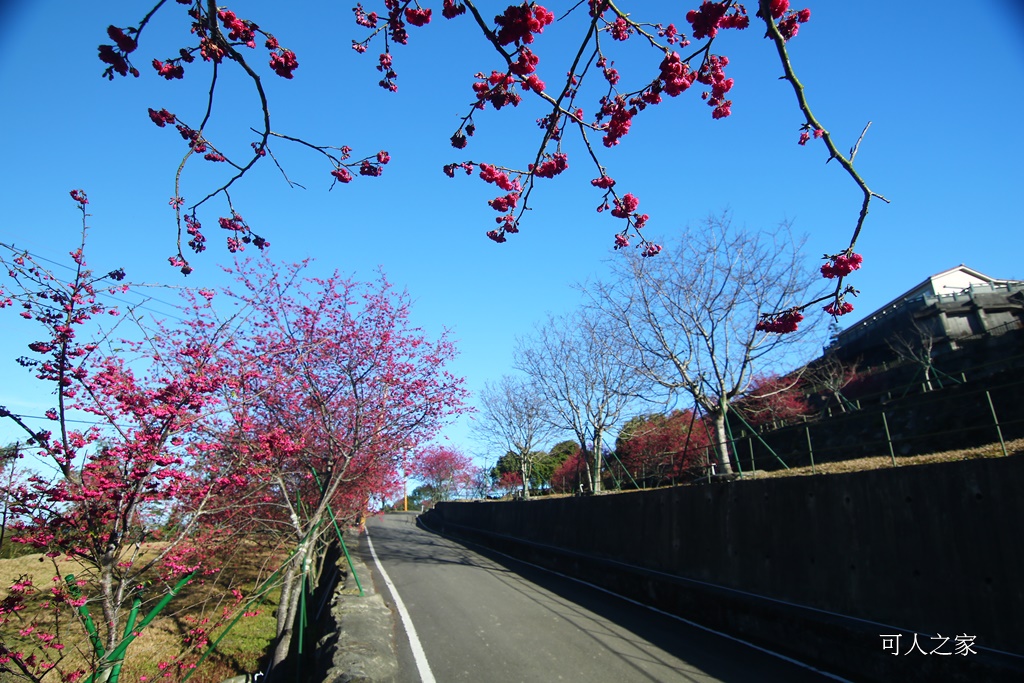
[132,288]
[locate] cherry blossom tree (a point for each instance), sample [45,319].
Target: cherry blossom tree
[286,417]
[334,387]
[95,494]
[445,470]
[662,447]
[774,399]
[585,98]
[571,476]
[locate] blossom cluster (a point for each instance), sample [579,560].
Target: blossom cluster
[116,55]
[780,323]
[712,72]
[841,265]
[806,135]
[838,308]
[519,23]
[712,16]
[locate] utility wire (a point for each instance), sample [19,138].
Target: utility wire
[132,288]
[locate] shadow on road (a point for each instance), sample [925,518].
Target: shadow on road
[711,656]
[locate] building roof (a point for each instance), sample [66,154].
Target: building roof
[963,277]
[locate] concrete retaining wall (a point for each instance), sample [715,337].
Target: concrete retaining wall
[819,567]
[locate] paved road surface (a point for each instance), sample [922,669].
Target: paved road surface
[485,618]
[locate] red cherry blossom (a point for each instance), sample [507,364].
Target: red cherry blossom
[781,323]
[364,19]
[452,9]
[552,167]
[625,206]
[169,70]
[519,22]
[837,309]
[841,265]
[620,29]
[125,44]
[283,63]
[417,17]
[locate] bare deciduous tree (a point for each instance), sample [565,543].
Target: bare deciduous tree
[830,375]
[916,345]
[514,419]
[691,314]
[575,362]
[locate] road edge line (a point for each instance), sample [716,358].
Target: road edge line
[426,675]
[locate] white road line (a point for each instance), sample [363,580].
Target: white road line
[426,675]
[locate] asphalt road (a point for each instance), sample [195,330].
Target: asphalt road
[483,617]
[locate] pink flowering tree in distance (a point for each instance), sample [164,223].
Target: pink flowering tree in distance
[447,471]
[658,448]
[588,100]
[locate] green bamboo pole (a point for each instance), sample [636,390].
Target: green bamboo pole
[117,654]
[888,438]
[263,596]
[227,630]
[90,627]
[624,469]
[763,442]
[341,539]
[999,430]
[810,450]
[129,626]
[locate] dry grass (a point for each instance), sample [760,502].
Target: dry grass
[205,598]
[993,450]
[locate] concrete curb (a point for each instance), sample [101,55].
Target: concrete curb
[359,647]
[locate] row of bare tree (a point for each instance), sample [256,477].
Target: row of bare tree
[654,332]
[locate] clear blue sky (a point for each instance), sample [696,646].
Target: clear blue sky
[942,82]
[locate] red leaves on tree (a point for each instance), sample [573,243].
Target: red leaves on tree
[571,475]
[663,446]
[773,399]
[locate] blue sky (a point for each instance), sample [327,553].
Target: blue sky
[942,85]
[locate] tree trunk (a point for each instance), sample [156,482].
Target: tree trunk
[722,447]
[287,611]
[598,484]
[524,472]
[586,467]
[110,606]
